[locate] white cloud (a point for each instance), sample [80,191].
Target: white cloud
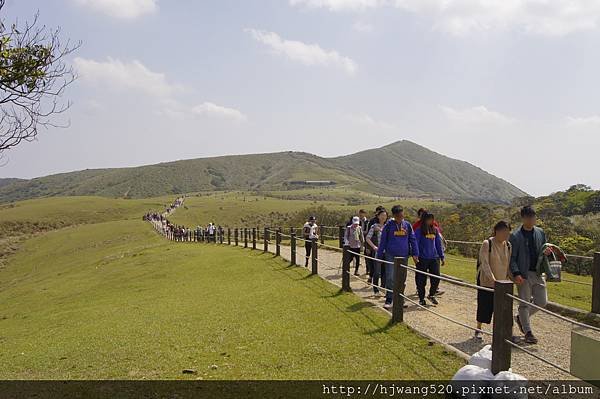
[125,9]
[475,115]
[591,121]
[135,78]
[216,111]
[125,75]
[362,27]
[368,121]
[459,17]
[307,54]
[340,5]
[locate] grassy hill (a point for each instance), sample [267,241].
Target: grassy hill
[400,169]
[113,300]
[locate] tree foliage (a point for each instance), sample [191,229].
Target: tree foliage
[33,78]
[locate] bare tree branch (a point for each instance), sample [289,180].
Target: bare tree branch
[33,78]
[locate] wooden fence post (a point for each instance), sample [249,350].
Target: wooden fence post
[245,237]
[596,284]
[399,286]
[341,236]
[236,236]
[229,236]
[254,238]
[266,240]
[278,243]
[346,270]
[314,255]
[322,234]
[293,248]
[503,322]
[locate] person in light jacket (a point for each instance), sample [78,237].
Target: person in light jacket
[493,264]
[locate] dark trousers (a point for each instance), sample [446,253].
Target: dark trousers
[485,305]
[430,266]
[308,247]
[356,257]
[370,264]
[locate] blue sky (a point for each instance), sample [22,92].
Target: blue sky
[510,86]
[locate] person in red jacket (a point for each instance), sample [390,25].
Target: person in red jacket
[417,224]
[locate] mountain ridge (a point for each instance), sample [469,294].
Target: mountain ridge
[402,168]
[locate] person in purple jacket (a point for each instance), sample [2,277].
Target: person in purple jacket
[397,241]
[431,253]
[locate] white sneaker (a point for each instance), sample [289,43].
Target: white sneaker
[387,306]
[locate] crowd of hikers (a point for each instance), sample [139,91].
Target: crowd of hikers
[179,232]
[520,255]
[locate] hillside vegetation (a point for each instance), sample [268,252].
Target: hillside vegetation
[113,300]
[402,169]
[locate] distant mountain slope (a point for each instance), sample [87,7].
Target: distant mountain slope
[407,166]
[402,169]
[9,180]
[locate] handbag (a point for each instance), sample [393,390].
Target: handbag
[554,269]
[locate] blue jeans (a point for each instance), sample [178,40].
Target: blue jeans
[390,271]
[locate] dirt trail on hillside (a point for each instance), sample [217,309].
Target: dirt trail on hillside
[459,303]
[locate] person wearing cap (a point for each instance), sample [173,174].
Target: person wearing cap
[397,241]
[354,239]
[309,231]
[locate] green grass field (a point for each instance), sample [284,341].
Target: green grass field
[114,300]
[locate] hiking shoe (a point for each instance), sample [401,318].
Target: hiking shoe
[530,338]
[518,320]
[432,300]
[478,335]
[422,302]
[387,306]
[356,274]
[439,292]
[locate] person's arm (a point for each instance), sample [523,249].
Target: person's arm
[412,242]
[383,241]
[347,236]
[369,239]
[484,261]
[514,265]
[362,237]
[439,247]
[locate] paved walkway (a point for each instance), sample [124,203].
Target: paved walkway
[459,303]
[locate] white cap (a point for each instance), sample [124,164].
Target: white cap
[355,220]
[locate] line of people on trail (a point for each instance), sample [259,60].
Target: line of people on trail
[520,255]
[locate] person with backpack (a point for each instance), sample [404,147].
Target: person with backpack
[397,240]
[528,243]
[354,239]
[309,231]
[371,247]
[431,254]
[493,264]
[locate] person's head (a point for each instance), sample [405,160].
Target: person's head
[528,217]
[502,231]
[398,212]
[362,214]
[382,216]
[312,220]
[427,220]
[421,211]
[355,221]
[378,209]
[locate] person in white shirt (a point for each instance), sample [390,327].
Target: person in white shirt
[310,231]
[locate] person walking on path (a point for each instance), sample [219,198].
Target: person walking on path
[493,264]
[527,243]
[355,239]
[309,231]
[371,247]
[431,254]
[397,240]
